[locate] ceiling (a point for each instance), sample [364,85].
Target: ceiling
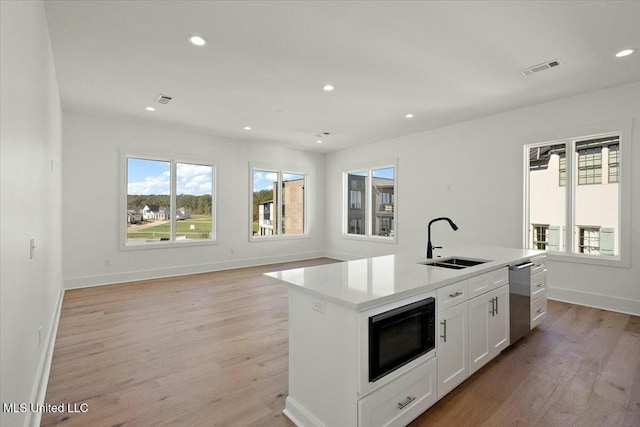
[266,62]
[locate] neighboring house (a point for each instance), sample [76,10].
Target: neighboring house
[292,210]
[596,186]
[383,205]
[183,213]
[266,218]
[133,217]
[154,212]
[293,206]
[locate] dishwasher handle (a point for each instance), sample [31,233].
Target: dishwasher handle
[521,266]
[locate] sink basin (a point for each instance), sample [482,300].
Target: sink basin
[454,263]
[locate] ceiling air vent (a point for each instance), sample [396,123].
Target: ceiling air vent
[163,99]
[540,67]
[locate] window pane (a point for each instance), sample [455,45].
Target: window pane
[356,190]
[614,163]
[596,204]
[265,220]
[547,197]
[148,201]
[382,194]
[589,164]
[589,240]
[193,201]
[293,187]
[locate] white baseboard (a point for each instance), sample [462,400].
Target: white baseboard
[341,256]
[159,273]
[604,302]
[39,390]
[298,415]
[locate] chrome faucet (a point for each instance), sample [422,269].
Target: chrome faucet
[430,247]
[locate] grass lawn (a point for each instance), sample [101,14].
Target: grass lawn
[201,229]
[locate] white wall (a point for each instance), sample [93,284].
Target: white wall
[473,173]
[92,191]
[30,203]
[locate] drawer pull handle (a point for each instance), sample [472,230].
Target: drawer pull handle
[444,337]
[402,405]
[456,294]
[540,311]
[541,285]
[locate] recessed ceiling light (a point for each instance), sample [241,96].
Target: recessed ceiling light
[409,116]
[625,52]
[247,128]
[319,141]
[328,88]
[197,40]
[150,109]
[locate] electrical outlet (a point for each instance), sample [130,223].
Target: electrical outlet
[32,248]
[39,336]
[319,306]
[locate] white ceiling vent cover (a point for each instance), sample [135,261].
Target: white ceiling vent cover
[163,99]
[540,67]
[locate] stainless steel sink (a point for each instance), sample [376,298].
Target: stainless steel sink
[454,263]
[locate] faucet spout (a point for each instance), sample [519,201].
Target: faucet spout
[430,247]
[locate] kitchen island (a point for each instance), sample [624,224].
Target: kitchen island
[330,312]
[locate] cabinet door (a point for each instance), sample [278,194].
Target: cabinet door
[499,321]
[480,309]
[452,348]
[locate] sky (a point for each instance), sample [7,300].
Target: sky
[263,180]
[153,177]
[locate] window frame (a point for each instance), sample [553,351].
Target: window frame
[623,129]
[280,170]
[369,167]
[173,159]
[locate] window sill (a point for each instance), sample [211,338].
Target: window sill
[377,239]
[278,238]
[615,261]
[166,244]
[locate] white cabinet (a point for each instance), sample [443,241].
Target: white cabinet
[488,326]
[453,367]
[538,291]
[402,400]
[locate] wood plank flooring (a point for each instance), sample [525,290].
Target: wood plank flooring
[212,350]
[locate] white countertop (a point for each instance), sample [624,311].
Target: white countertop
[370,282]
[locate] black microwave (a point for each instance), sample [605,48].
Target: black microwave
[398,336]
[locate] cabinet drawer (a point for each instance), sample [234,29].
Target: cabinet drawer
[402,400]
[486,282]
[538,265]
[451,295]
[538,285]
[538,311]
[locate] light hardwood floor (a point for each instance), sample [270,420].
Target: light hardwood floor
[212,350]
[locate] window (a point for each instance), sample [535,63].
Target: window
[168,201]
[277,213]
[540,236]
[589,240]
[556,204]
[562,159]
[614,163]
[370,202]
[589,163]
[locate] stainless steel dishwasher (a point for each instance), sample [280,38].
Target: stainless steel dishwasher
[520,299]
